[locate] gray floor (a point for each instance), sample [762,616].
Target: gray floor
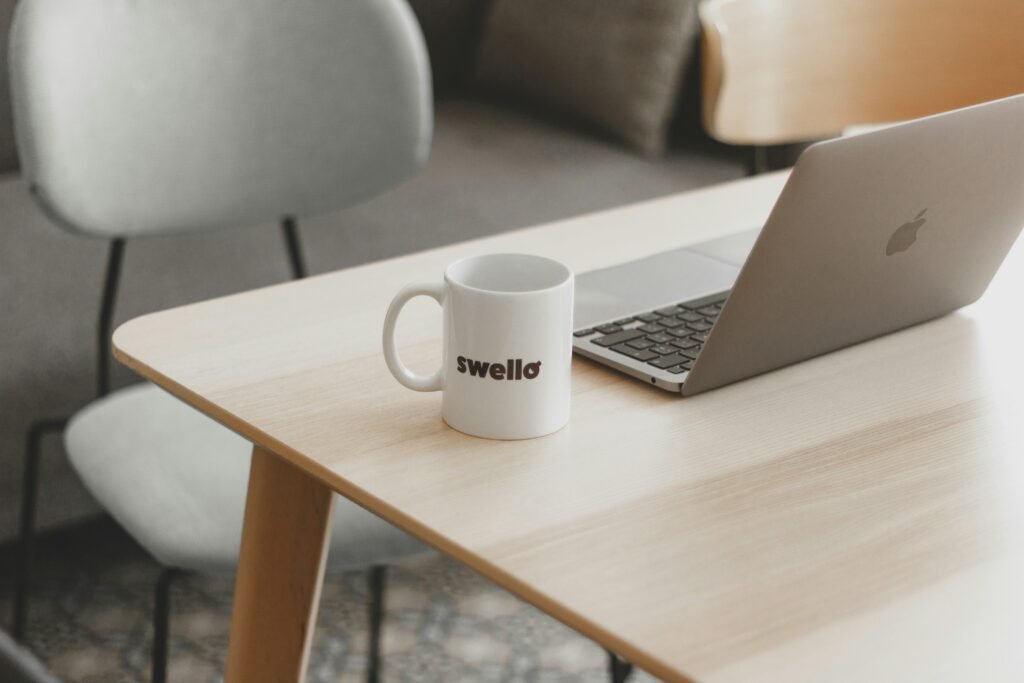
[92,610]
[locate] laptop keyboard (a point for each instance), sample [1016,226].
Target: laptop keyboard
[667,338]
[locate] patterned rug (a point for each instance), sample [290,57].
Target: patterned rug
[92,606]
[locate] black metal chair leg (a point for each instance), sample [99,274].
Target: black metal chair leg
[27,527]
[375,606]
[618,669]
[37,430]
[105,322]
[759,162]
[162,623]
[294,247]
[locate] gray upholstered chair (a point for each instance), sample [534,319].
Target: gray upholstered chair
[148,118]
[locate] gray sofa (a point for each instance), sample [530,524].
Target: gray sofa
[493,167]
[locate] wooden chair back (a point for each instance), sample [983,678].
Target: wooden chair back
[785,71]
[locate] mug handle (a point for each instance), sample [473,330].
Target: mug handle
[434,382]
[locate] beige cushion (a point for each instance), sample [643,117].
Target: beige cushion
[616,64]
[176,481]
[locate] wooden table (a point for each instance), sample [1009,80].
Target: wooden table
[856,517]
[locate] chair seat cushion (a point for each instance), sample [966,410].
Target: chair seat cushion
[176,481]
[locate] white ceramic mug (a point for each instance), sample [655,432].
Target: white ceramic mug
[506,365]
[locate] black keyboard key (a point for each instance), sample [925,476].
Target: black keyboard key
[648,317]
[663,349]
[666,362]
[583,333]
[651,328]
[670,322]
[640,343]
[689,317]
[680,332]
[710,311]
[608,328]
[624,321]
[659,338]
[710,300]
[669,310]
[618,337]
[699,326]
[690,353]
[638,354]
[700,336]
[678,369]
[685,343]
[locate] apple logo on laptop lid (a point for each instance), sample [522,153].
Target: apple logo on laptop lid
[904,236]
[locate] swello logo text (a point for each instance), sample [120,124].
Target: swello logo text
[513,369]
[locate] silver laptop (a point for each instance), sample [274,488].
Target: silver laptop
[871,234]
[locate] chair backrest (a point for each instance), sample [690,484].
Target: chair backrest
[142,118]
[793,70]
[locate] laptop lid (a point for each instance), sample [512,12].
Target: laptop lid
[873,234]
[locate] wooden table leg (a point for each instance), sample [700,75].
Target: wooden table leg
[280,571]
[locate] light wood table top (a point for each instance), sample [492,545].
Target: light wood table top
[856,517]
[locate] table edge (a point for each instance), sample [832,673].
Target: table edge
[442,544]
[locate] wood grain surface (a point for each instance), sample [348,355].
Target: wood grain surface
[778,72]
[855,517]
[280,572]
